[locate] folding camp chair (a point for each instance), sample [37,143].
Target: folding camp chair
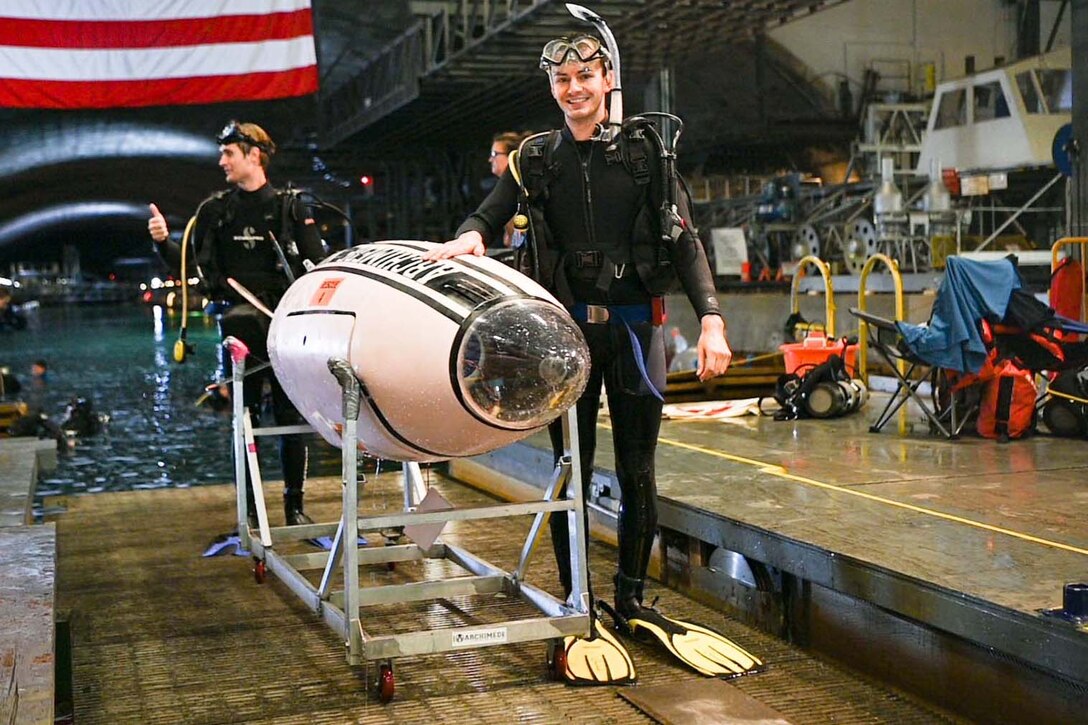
[980,314]
[888,342]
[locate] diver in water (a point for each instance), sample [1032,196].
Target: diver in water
[81,419]
[590,201]
[259,236]
[10,319]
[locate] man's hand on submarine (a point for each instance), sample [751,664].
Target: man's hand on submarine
[156,225]
[471,242]
[714,352]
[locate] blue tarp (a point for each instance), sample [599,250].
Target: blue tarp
[970,292]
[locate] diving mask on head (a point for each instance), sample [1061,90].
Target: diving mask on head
[233,133]
[586,48]
[581,48]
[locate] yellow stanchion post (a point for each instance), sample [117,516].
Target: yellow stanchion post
[829,291]
[863,327]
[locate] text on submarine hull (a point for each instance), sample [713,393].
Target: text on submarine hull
[455,357]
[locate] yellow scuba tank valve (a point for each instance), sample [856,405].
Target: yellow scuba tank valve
[181,349]
[521,218]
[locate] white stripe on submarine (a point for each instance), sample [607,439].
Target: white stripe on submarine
[408,264]
[501,281]
[400,262]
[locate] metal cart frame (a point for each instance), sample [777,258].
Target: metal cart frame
[341,609]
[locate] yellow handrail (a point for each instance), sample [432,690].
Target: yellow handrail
[863,326]
[1054,260]
[829,292]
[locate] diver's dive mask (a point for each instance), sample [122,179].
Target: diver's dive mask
[581,48]
[233,133]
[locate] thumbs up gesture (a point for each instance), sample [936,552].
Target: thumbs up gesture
[157,225]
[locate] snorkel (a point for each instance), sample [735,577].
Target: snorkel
[615,110]
[526,245]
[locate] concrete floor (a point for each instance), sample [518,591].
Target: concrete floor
[1007,523]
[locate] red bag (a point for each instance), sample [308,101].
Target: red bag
[1007,409]
[1067,289]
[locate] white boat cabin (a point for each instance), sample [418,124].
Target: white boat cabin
[1000,119]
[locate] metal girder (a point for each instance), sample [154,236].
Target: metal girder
[444,30]
[461,49]
[387,82]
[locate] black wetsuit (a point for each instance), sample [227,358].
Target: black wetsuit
[231,239]
[10,319]
[591,207]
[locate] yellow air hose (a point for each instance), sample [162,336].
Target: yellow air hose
[181,347]
[521,220]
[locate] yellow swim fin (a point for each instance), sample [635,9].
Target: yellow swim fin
[703,650]
[598,659]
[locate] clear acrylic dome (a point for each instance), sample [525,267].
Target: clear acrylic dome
[521,364]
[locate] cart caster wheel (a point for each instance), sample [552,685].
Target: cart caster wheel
[557,660]
[260,572]
[386,684]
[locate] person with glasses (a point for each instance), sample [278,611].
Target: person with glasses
[596,244]
[260,237]
[501,145]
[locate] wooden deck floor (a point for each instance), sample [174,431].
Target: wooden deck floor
[162,635]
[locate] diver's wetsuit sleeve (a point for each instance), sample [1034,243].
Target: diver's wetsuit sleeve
[170,251]
[491,216]
[306,234]
[692,266]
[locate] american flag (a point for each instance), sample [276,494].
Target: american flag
[122,53]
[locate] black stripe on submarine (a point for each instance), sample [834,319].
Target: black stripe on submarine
[454,284]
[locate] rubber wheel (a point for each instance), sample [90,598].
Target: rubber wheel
[386,685]
[260,572]
[557,660]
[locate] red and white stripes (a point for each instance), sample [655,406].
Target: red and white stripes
[121,53]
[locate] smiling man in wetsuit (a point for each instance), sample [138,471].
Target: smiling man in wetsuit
[249,233]
[594,240]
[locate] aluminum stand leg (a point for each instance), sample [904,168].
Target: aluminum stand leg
[349,520]
[238,353]
[576,518]
[255,479]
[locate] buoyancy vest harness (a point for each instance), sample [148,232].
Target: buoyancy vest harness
[651,163]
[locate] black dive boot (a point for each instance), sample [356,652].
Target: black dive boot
[628,596]
[292,508]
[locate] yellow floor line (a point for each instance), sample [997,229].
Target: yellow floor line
[780,472]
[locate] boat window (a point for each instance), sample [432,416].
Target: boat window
[1033,102]
[1057,85]
[990,102]
[951,109]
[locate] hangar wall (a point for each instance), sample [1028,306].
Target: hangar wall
[847,39]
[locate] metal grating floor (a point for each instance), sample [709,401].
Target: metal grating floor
[161,635]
